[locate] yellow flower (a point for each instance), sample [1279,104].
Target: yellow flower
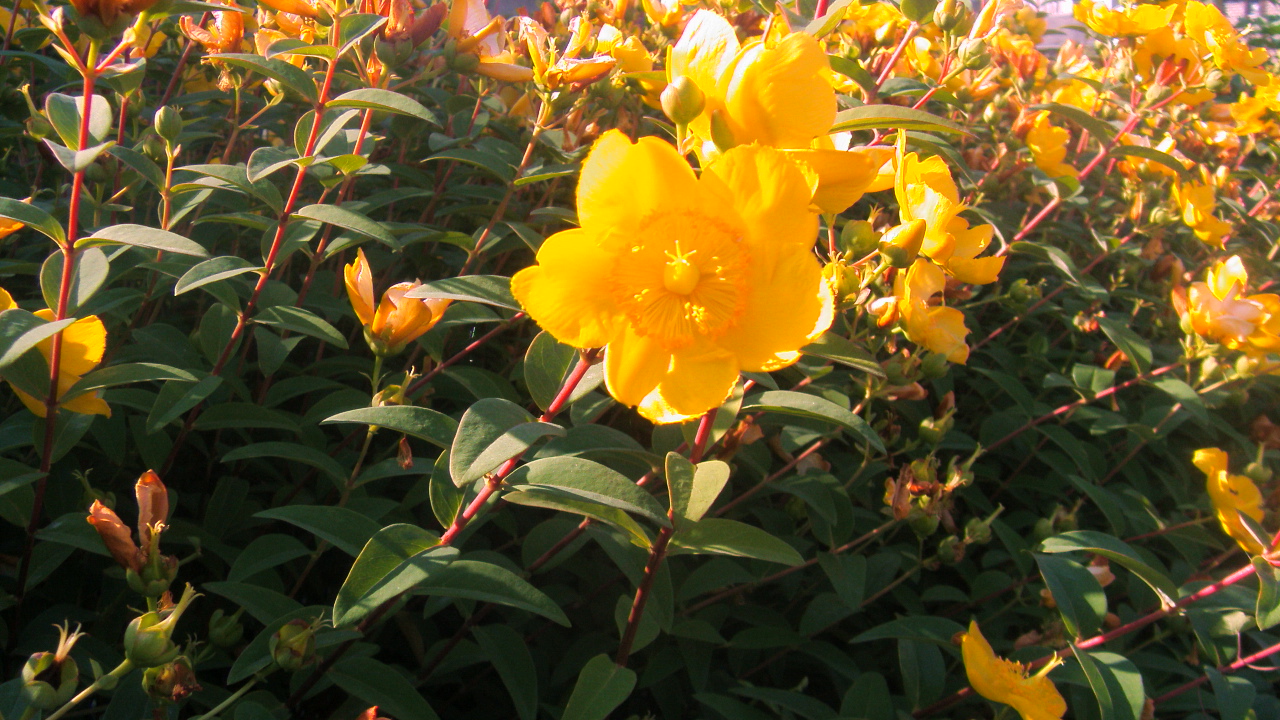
[1196,201]
[476,33]
[926,191]
[224,35]
[7,228]
[1231,495]
[1207,26]
[685,280]
[555,69]
[83,343]
[1048,145]
[843,176]
[1220,311]
[772,91]
[1005,681]
[1136,20]
[938,329]
[397,320]
[301,8]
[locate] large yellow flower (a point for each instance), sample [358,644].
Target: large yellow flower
[938,329]
[1136,20]
[926,192]
[1208,27]
[83,343]
[773,91]
[1005,681]
[1231,495]
[685,280]
[1220,310]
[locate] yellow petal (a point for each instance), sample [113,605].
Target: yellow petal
[697,381]
[622,183]
[87,404]
[35,406]
[705,48]
[975,271]
[780,95]
[1210,461]
[506,72]
[633,366]
[6,301]
[772,196]
[788,303]
[568,292]
[843,177]
[359,282]
[83,344]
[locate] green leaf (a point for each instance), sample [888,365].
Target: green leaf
[844,351]
[213,270]
[146,168]
[1102,131]
[297,453]
[1079,597]
[1186,396]
[20,331]
[127,374]
[303,322]
[938,630]
[446,498]
[262,604]
[848,576]
[717,536]
[487,582]
[510,656]
[287,75]
[804,405]
[487,289]
[1117,551]
[34,218]
[266,160]
[88,274]
[1233,694]
[66,112]
[484,160]
[552,500]
[1106,688]
[145,237]
[423,423]
[1152,154]
[822,26]
[385,101]
[376,683]
[586,480]
[176,397]
[349,220]
[1130,342]
[709,480]
[382,556]
[883,117]
[601,687]
[356,27]
[483,424]
[262,554]
[77,160]
[511,443]
[343,528]
[679,473]
[1267,612]
[546,363]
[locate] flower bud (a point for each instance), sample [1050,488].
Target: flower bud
[843,281]
[950,550]
[901,244]
[977,531]
[682,101]
[932,429]
[168,124]
[225,630]
[950,15]
[934,366]
[1258,472]
[859,237]
[973,54]
[115,535]
[170,683]
[1217,81]
[922,523]
[721,133]
[47,683]
[293,645]
[147,641]
[918,11]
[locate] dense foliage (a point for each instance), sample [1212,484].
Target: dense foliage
[671,359]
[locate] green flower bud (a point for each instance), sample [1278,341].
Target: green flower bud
[973,54]
[225,630]
[932,429]
[977,531]
[155,577]
[293,645]
[148,641]
[1043,529]
[859,237]
[1258,472]
[950,550]
[168,124]
[922,523]
[170,683]
[682,101]
[721,133]
[934,366]
[950,15]
[48,684]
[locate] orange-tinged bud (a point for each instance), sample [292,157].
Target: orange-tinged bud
[115,535]
[305,8]
[153,504]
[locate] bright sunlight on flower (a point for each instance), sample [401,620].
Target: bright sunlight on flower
[686,281]
[83,344]
[397,320]
[1005,681]
[1231,495]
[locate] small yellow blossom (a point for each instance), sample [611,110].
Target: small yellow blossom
[686,280]
[926,191]
[1208,27]
[476,33]
[1048,145]
[938,329]
[1135,20]
[1006,681]
[1196,202]
[397,320]
[83,344]
[9,227]
[301,8]
[1231,495]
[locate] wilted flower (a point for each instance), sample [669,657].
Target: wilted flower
[1005,681]
[1231,496]
[685,280]
[483,38]
[148,571]
[224,35]
[397,320]
[83,344]
[553,68]
[402,25]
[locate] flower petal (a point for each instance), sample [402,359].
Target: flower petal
[633,366]
[697,382]
[843,177]
[772,195]
[622,183]
[568,292]
[780,95]
[789,305]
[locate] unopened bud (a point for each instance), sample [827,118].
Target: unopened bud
[168,124]
[901,244]
[170,683]
[148,641]
[949,15]
[1217,81]
[977,531]
[973,54]
[950,550]
[1156,93]
[934,366]
[932,429]
[293,645]
[922,523]
[225,630]
[1258,472]
[721,133]
[682,101]
[859,237]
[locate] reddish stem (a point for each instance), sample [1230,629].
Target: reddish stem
[422,381]
[817,445]
[1238,664]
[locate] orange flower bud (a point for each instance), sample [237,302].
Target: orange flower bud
[115,536]
[305,8]
[153,504]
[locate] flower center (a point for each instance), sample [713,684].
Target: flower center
[684,277]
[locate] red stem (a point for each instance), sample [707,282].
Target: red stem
[422,381]
[1242,662]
